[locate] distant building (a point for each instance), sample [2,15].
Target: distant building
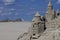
[8,20]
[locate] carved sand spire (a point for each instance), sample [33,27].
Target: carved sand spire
[37,16]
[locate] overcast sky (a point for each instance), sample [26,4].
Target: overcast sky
[24,9]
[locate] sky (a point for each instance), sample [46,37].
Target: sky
[24,9]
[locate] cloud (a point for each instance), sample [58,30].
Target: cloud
[7,2]
[10,13]
[1,10]
[12,9]
[58,1]
[4,14]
